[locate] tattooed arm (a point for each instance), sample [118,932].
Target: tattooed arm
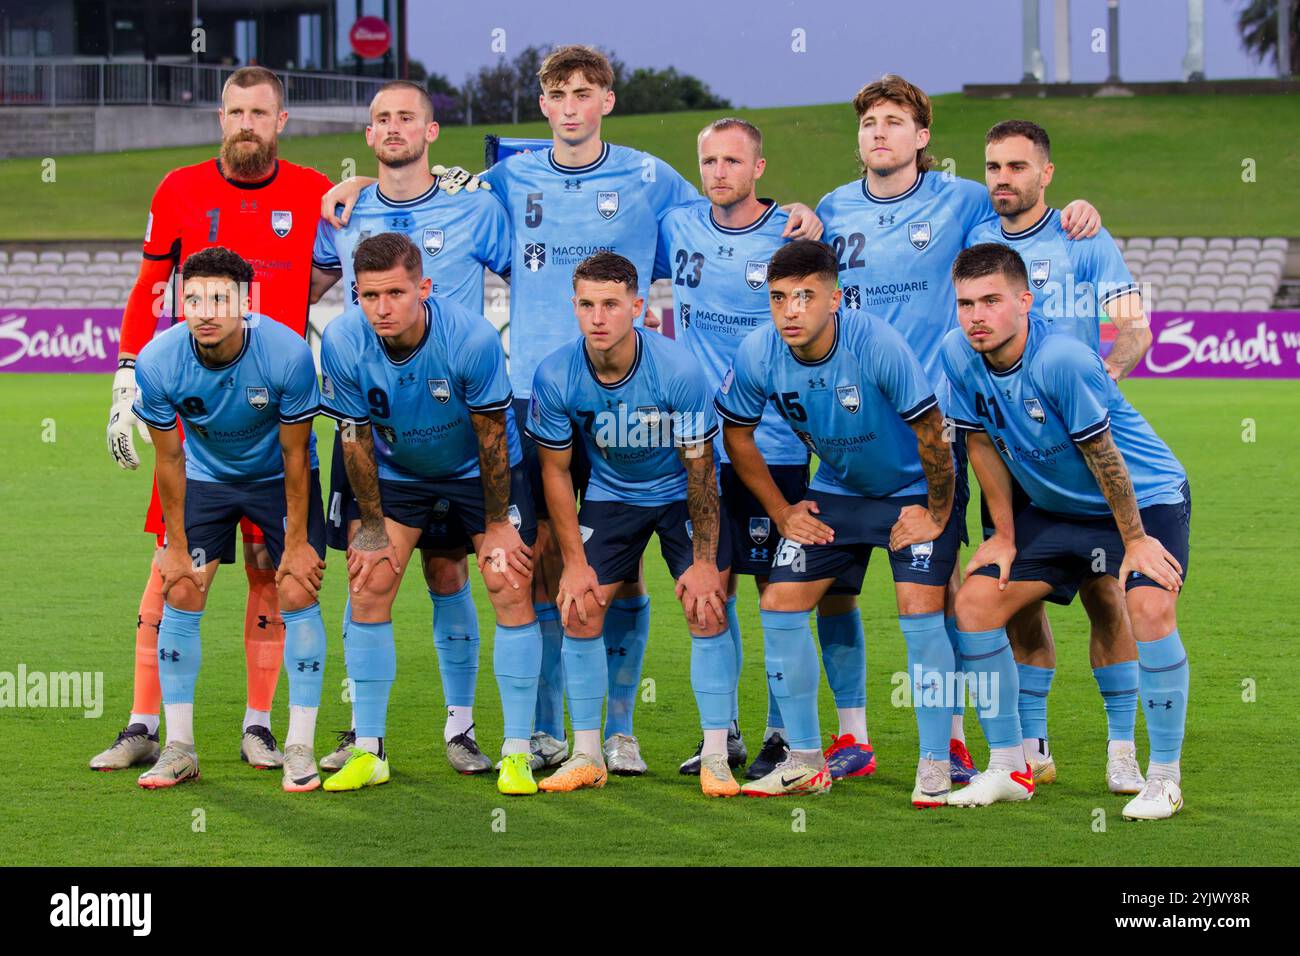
[700,588]
[916,524]
[1134,336]
[500,547]
[370,545]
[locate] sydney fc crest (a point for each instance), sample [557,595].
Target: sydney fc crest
[1039,271]
[849,398]
[258,398]
[650,415]
[921,554]
[760,529]
[281,222]
[918,234]
[607,203]
[433,241]
[440,508]
[440,389]
[755,274]
[1035,410]
[512,513]
[534,256]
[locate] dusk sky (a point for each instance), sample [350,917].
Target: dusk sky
[743,50]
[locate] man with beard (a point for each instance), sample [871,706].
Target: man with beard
[265,209]
[457,235]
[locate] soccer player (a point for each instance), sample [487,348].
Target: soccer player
[850,388]
[1073,282]
[265,209]
[419,386]
[1101,484]
[896,231]
[580,196]
[639,403]
[458,236]
[245,387]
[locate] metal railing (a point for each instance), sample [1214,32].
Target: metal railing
[94,82]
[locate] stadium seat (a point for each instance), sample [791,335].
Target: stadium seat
[1221,242]
[45,269]
[1179,280]
[1212,268]
[1271,255]
[99,269]
[1231,304]
[1165,242]
[1256,305]
[1139,242]
[1171,304]
[1119,242]
[51,255]
[1215,255]
[1240,268]
[76,255]
[23,255]
[1199,305]
[1201,291]
[1273,269]
[105,255]
[1183,267]
[54,293]
[20,267]
[73,269]
[1193,242]
[1258,289]
[4,256]
[1160,255]
[20,304]
[132,256]
[1277,243]
[1249,242]
[1236,283]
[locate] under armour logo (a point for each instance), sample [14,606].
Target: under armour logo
[139,622]
[883,220]
[816,383]
[573,185]
[777,676]
[1152,704]
[726,252]
[616,651]
[263,621]
[302,666]
[165,655]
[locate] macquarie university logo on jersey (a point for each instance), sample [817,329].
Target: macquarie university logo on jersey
[440,389]
[534,256]
[1039,271]
[281,222]
[852,297]
[918,234]
[1035,410]
[686,315]
[755,274]
[607,203]
[258,398]
[760,529]
[849,398]
[433,239]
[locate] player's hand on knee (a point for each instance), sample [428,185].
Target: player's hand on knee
[1080,219]
[700,591]
[177,566]
[369,548]
[301,563]
[343,194]
[796,523]
[1150,557]
[999,550]
[915,525]
[504,552]
[121,443]
[575,584]
[453,180]
[803,223]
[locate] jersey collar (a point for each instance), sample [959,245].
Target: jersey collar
[756,224]
[835,344]
[428,325]
[261,183]
[920,178]
[243,347]
[1033,230]
[1019,363]
[636,363]
[407,203]
[561,168]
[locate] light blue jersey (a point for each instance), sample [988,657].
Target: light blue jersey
[851,409]
[563,214]
[232,413]
[632,428]
[1072,279]
[895,255]
[457,235]
[720,295]
[1056,395]
[419,408]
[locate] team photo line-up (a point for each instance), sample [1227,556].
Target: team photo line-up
[913,326]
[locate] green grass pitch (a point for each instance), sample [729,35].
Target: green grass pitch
[73,563]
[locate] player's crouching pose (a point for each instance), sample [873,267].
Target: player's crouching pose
[245,387]
[852,390]
[639,404]
[1101,485]
[419,386]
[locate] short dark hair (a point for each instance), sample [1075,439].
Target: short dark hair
[606,267]
[425,98]
[1030,131]
[990,258]
[218,262]
[387,251]
[250,76]
[803,257]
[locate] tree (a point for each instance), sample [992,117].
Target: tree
[1257,24]
[666,91]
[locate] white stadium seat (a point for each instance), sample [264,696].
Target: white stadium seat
[1273,269]
[1140,242]
[1185,268]
[99,269]
[55,256]
[1257,305]
[73,269]
[1277,243]
[1215,255]
[1243,268]
[1193,242]
[20,267]
[1249,242]
[23,255]
[1221,243]
[1212,268]
[1227,305]
[1233,282]
[1271,255]
[1202,291]
[45,269]
[1171,304]
[76,255]
[1165,243]
[1199,305]
[4,255]
[132,256]
[1177,280]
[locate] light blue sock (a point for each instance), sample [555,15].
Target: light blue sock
[844,655]
[1118,684]
[713,678]
[792,674]
[738,648]
[1035,684]
[586,680]
[347,615]
[179,654]
[929,650]
[959,702]
[1163,684]
[455,637]
[304,655]
[549,718]
[517,661]
[986,656]
[371,659]
[627,628]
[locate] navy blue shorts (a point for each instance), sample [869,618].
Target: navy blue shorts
[615,535]
[861,524]
[213,510]
[453,509]
[1064,551]
[579,465]
[753,536]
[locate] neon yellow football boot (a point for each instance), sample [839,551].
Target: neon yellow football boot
[516,777]
[362,769]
